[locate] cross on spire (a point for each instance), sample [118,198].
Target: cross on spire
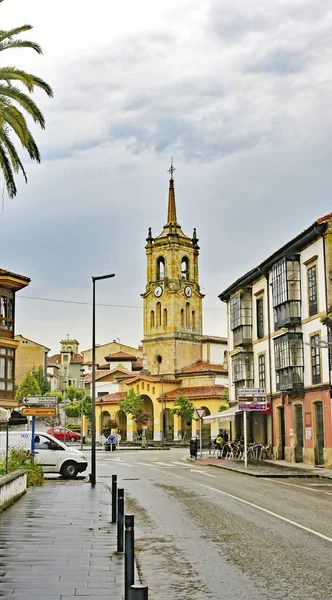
[172,168]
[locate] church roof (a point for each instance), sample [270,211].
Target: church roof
[202,367]
[120,356]
[111,398]
[103,373]
[204,392]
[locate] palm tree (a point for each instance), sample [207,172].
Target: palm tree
[11,118]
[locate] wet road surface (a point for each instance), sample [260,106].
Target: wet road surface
[207,533]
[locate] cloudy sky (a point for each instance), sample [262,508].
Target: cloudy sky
[238,91]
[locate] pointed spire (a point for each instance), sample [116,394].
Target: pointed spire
[171,214]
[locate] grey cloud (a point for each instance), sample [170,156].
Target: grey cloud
[281,61]
[235,20]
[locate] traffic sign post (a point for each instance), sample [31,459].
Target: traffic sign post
[111,440]
[40,401]
[200,412]
[258,406]
[39,411]
[251,392]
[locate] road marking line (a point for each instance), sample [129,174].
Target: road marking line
[265,510]
[328,493]
[161,463]
[202,472]
[291,484]
[268,512]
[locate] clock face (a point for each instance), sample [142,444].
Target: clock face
[158,290]
[187,291]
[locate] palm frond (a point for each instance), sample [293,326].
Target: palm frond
[13,156]
[24,100]
[7,172]
[17,122]
[20,44]
[5,35]
[30,81]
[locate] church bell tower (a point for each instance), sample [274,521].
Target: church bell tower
[172,300]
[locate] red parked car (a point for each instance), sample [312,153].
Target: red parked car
[59,434]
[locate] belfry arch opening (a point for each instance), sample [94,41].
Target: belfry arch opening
[185,268]
[160,268]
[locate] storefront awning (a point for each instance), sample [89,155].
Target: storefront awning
[222,417]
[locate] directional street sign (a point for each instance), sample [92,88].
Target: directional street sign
[259,406]
[111,439]
[251,392]
[35,411]
[40,400]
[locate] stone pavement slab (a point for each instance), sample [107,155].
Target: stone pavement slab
[58,543]
[266,468]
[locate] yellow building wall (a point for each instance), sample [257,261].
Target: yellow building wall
[29,355]
[111,348]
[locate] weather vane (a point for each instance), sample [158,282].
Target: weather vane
[171,169]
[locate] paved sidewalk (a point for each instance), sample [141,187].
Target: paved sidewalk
[266,468]
[58,543]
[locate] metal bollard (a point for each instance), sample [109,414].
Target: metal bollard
[139,592]
[114,488]
[129,554]
[120,519]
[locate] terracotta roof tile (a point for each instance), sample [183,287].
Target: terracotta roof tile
[204,367]
[111,398]
[197,392]
[103,373]
[56,358]
[138,364]
[77,359]
[5,272]
[152,379]
[120,355]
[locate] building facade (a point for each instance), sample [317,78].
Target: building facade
[177,358]
[277,341]
[10,283]
[30,356]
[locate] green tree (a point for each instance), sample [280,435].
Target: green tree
[57,395]
[183,408]
[28,387]
[132,404]
[225,398]
[73,393]
[43,382]
[12,119]
[87,407]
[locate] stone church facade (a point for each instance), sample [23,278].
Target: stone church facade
[177,358]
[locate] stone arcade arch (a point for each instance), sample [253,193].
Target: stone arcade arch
[147,411]
[167,424]
[121,418]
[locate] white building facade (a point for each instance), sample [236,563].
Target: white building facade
[277,341]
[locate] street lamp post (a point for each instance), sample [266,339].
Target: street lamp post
[82,374]
[93,394]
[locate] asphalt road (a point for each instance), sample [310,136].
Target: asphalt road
[206,533]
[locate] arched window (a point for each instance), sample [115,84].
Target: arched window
[193,323]
[160,268]
[182,317]
[185,268]
[158,311]
[165,317]
[152,318]
[187,314]
[142,385]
